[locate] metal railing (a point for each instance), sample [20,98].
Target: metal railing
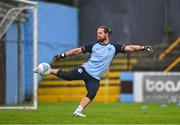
[172,65]
[169,50]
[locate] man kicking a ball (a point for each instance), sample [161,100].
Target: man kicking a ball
[102,52]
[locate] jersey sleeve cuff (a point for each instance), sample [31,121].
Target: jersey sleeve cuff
[83,49]
[123,48]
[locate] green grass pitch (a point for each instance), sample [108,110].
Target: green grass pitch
[97,113]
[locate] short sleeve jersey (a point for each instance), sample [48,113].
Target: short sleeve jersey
[101,57]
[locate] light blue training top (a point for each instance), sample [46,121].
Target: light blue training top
[101,57]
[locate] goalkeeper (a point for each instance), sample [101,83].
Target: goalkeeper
[102,52]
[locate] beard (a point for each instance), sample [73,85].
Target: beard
[101,39]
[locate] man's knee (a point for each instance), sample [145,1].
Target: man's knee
[54,71]
[91,94]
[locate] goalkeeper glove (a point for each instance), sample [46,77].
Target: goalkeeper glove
[147,48]
[59,56]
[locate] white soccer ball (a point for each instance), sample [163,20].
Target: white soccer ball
[44,69]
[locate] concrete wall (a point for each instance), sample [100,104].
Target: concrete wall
[58,30]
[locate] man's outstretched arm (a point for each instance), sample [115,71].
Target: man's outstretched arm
[71,52]
[133,48]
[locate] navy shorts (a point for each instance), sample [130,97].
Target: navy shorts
[79,73]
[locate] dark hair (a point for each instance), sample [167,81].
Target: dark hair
[106,29]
